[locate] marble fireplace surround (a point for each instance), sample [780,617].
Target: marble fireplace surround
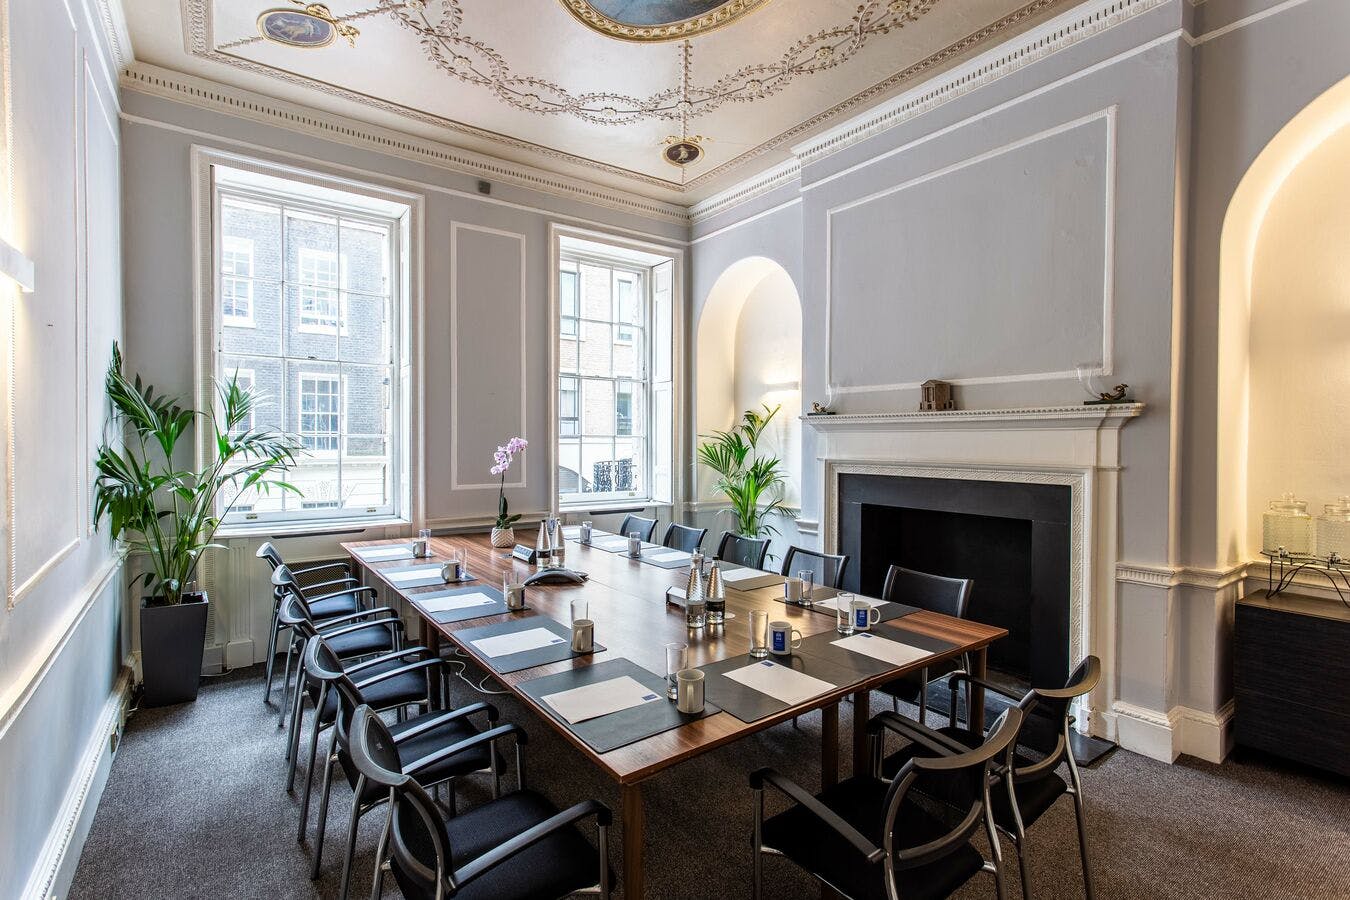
[1076,446]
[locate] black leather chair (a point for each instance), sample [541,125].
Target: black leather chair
[644,527]
[935,593]
[516,846]
[330,599]
[420,741]
[1042,744]
[828,568]
[682,537]
[742,550]
[870,840]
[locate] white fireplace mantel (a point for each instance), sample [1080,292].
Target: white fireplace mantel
[1074,446]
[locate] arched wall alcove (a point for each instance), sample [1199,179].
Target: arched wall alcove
[749,352]
[1284,323]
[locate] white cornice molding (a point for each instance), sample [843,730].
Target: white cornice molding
[112,17]
[216,97]
[1112,415]
[1078,24]
[786,172]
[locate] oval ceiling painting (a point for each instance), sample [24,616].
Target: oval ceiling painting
[658,20]
[296,28]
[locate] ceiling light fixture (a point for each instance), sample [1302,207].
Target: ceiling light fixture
[16,267]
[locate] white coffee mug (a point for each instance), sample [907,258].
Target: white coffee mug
[783,638]
[792,590]
[865,615]
[689,691]
[583,636]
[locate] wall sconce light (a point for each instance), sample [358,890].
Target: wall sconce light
[17,267]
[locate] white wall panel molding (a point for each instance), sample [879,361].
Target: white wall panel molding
[1076,25]
[55,867]
[469,329]
[1166,577]
[1107,116]
[1148,731]
[210,95]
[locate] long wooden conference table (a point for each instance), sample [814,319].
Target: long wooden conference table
[627,601]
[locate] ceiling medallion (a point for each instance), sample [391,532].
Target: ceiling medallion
[683,152]
[658,20]
[309,28]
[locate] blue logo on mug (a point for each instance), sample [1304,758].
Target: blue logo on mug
[862,617]
[779,641]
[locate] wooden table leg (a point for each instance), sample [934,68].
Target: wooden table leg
[861,713]
[432,639]
[979,661]
[634,827]
[829,746]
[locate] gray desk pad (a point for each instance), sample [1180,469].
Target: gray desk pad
[433,576]
[748,704]
[627,726]
[671,564]
[528,659]
[461,615]
[889,612]
[859,664]
[614,543]
[763,580]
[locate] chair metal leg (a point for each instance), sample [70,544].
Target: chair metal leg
[995,848]
[271,653]
[293,739]
[604,862]
[1018,836]
[309,770]
[353,821]
[1082,842]
[757,890]
[286,680]
[377,887]
[321,829]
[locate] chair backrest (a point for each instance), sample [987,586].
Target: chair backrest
[742,550]
[294,610]
[1051,707]
[935,593]
[829,568]
[682,537]
[962,781]
[644,527]
[420,853]
[323,665]
[269,554]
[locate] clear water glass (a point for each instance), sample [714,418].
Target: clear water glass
[843,613]
[808,579]
[759,633]
[580,608]
[677,659]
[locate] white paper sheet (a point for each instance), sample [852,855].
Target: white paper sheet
[884,649]
[600,699]
[735,576]
[456,601]
[516,642]
[419,574]
[831,604]
[668,555]
[780,682]
[609,540]
[750,579]
[381,554]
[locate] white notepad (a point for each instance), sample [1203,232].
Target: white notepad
[456,601]
[750,579]
[516,642]
[780,682]
[419,574]
[600,699]
[609,540]
[572,532]
[668,555]
[380,554]
[735,576]
[884,649]
[831,604]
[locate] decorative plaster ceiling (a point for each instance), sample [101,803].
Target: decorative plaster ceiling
[551,84]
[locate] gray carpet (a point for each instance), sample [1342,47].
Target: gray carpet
[195,807]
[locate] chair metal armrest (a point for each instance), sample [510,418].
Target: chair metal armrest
[957,677]
[352,592]
[414,650]
[392,624]
[328,584]
[336,564]
[401,670]
[914,731]
[433,721]
[826,815]
[353,617]
[531,836]
[483,737]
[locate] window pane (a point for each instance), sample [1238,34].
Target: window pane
[597,414]
[365,257]
[260,333]
[311,314]
[570,480]
[258,223]
[568,354]
[366,335]
[629,352]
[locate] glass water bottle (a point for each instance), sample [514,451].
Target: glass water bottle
[1333,531]
[1287,525]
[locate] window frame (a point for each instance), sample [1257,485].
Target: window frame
[401,214]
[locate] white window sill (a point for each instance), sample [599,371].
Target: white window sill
[608,505]
[311,527]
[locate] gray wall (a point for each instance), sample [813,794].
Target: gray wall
[60,652]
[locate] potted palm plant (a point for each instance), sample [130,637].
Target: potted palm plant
[169,514]
[753,484]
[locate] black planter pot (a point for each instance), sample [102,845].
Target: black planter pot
[172,641]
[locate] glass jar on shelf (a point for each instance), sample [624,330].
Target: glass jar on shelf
[1287,525]
[1333,530]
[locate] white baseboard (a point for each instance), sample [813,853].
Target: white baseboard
[55,867]
[1165,736]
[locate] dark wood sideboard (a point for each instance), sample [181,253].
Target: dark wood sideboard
[1291,678]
